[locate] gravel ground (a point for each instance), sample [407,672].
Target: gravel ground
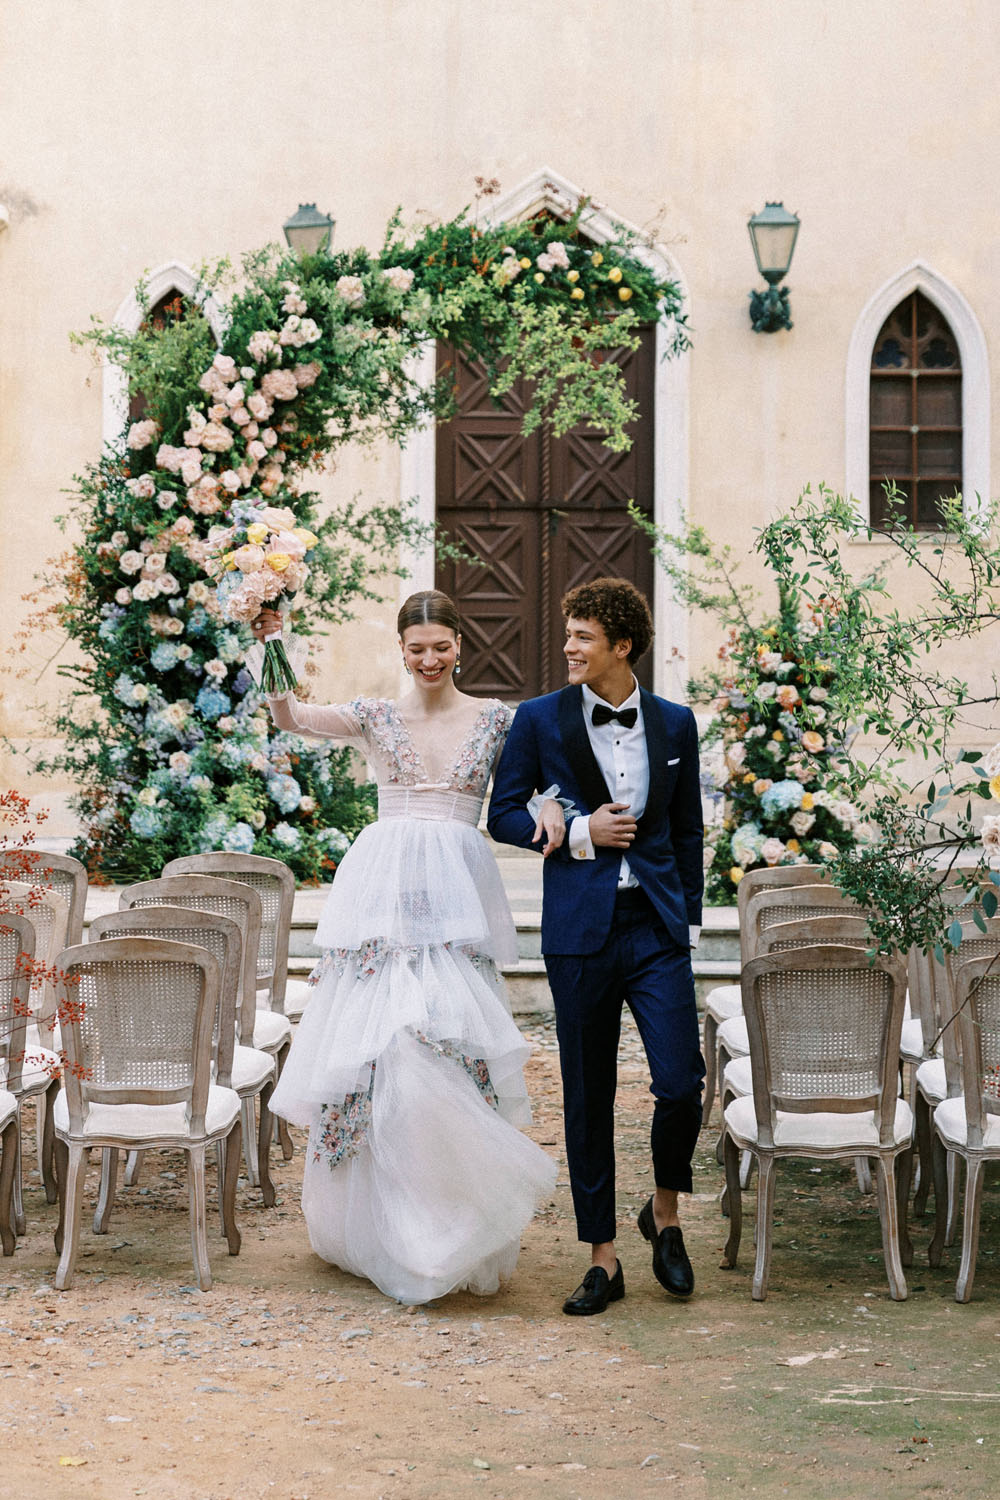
[294,1380]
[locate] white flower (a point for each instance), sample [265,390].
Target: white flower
[772,850]
[143,488]
[179,762]
[990,836]
[226,725]
[119,539]
[307,804]
[140,693]
[257,820]
[827,850]
[167,584]
[131,562]
[845,813]
[991,762]
[818,694]
[198,592]
[765,690]
[225,366]
[230,480]
[261,345]
[801,823]
[165,499]
[144,590]
[123,596]
[185,652]
[293,303]
[216,669]
[191,470]
[558,254]
[736,755]
[148,796]
[177,714]
[510,268]
[155,563]
[769,661]
[398,278]
[141,434]
[351,289]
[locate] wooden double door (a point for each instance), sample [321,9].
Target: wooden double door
[541,514]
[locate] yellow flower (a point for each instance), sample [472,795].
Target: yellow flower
[576,295]
[228,563]
[793,845]
[539,275]
[597,259]
[615,274]
[257,534]
[278,561]
[777,735]
[524,262]
[807,802]
[624,294]
[307,538]
[749,777]
[572,276]
[736,874]
[995,788]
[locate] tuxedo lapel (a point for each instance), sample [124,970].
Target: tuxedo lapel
[656,753]
[576,743]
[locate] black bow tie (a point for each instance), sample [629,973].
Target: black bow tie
[601,714]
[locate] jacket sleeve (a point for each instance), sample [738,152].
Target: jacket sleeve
[517,777]
[687,827]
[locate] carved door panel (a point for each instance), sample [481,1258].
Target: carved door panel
[541,514]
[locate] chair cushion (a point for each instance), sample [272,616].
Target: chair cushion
[251,1069]
[39,1069]
[136,1123]
[271,1030]
[911,1040]
[46,1036]
[734,1037]
[931,1080]
[737,1079]
[297,993]
[8,1108]
[952,1126]
[841,1135]
[724,1001]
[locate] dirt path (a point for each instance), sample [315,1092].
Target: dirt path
[293,1380]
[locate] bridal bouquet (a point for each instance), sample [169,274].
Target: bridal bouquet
[261,559]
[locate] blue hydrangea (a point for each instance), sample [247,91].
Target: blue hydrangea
[783,796]
[146,822]
[287,836]
[163,656]
[746,844]
[335,843]
[285,791]
[214,832]
[211,703]
[228,584]
[108,629]
[242,682]
[200,783]
[197,621]
[238,839]
[123,688]
[228,648]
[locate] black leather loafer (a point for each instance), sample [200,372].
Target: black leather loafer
[671,1266]
[595,1291]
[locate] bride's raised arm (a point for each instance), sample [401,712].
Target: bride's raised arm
[325,721]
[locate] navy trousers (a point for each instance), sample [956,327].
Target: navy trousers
[642,966]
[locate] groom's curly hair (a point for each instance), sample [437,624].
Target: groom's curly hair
[618,607]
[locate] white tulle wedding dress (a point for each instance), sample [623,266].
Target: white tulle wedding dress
[407,1067]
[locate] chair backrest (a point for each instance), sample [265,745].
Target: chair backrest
[49,915]
[56,872]
[848,928]
[824,1025]
[275,885]
[141,1028]
[772,875]
[977,1004]
[976,944]
[224,898]
[788,904]
[17,951]
[178,924]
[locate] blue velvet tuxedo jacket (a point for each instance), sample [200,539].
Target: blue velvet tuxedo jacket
[548,744]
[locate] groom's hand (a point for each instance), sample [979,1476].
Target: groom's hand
[551,823]
[612,826]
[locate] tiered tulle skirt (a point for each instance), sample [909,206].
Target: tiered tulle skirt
[407,1070]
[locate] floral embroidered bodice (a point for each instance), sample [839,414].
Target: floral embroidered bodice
[399,757]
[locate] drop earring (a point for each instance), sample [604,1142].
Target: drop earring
[458,665]
[406,669]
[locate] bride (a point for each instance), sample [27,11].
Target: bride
[407,1067]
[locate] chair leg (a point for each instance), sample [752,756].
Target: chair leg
[17,1219]
[734,1199]
[952,1194]
[71,1172]
[904,1174]
[264,1131]
[106,1198]
[939,1162]
[250,1142]
[284,1139]
[709,1048]
[133,1162]
[47,1142]
[765,1209]
[885,1168]
[970,1227]
[863,1172]
[199,1232]
[230,1174]
[9,1169]
[922,1121]
[722,1061]
[746,1169]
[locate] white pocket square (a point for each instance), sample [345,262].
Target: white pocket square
[674,762]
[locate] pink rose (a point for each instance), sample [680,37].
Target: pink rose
[787,695]
[558,254]
[269,437]
[771,851]
[216,438]
[141,434]
[123,596]
[352,289]
[286,541]
[261,346]
[169,458]
[143,488]
[280,384]
[399,278]
[257,450]
[812,741]
[307,375]
[277,518]
[155,563]
[191,470]
[225,366]
[218,412]
[183,526]
[249,558]
[239,416]
[250,430]
[230,480]
[259,406]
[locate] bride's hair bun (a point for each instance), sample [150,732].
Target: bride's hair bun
[429,607]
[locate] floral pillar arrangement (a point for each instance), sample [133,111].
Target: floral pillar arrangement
[164,731]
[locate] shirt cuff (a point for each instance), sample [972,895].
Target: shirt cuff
[535,804]
[694,934]
[581,845]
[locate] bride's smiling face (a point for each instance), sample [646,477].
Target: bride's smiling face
[430,652]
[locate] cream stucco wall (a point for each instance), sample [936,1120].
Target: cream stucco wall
[134,134]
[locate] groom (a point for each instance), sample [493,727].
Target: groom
[622,907]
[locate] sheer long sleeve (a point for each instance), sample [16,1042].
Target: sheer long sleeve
[321,721]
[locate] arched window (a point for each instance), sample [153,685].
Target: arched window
[915,413]
[172,307]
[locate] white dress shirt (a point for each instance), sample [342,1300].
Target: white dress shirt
[624,763]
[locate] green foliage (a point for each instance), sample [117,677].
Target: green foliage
[163,731]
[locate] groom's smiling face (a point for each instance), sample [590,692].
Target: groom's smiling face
[592,659]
